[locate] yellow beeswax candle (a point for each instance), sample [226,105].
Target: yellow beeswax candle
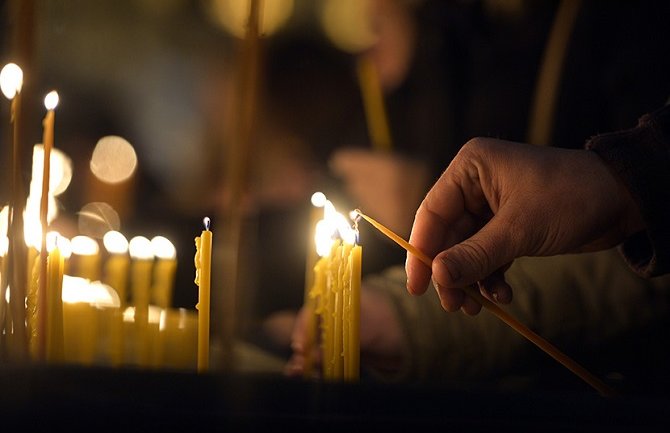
[117,264]
[116,276]
[373,101]
[164,271]
[335,287]
[80,326]
[54,289]
[318,200]
[355,266]
[86,257]
[32,311]
[179,338]
[140,269]
[203,271]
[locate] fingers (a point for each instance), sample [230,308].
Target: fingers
[438,212]
[494,287]
[477,257]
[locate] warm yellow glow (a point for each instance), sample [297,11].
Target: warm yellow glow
[154,314]
[4,246]
[114,159]
[51,100]
[32,228]
[97,218]
[84,246]
[65,246]
[232,16]
[55,239]
[60,172]
[140,248]
[115,242]
[332,228]
[77,289]
[4,220]
[348,24]
[163,248]
[318,199]
[11,80]
[183,318]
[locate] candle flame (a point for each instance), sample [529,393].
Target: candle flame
[56,240]
[85,245]
[333,227]
[4,220]
[163,248]
[318,199]
[11,80]
[32,228]
[115,242]
[77,289]
[4,245]
[51,100]
[206,222]
[140,248]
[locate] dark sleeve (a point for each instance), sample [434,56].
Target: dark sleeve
[640,157]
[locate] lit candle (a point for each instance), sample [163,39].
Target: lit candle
[54,288]
[203,272]
[117,263]
[337,285]
[88,311]
[50,103]
[142,263]
[11,81]
[33,267]
[318,200]
[164,271]
[86,257]
[4,246]
[116,276]
[355,267]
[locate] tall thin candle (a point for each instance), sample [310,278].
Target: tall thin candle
[203,272]
[50,103]
[54,288]
[11,81]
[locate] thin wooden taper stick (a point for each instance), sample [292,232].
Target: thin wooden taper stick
[503,315]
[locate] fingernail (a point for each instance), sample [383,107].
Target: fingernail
[452,270]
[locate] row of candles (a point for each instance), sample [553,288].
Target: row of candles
[131,283]
[54,320]
[332,295]
[61,318]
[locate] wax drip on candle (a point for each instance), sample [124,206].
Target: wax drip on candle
[355,216]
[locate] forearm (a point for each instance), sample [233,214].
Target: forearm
[640,158]
[578,302]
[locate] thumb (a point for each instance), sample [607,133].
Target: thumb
[475,258]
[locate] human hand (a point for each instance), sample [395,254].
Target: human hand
[500,200]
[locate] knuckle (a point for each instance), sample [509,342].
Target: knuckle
[476,255]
